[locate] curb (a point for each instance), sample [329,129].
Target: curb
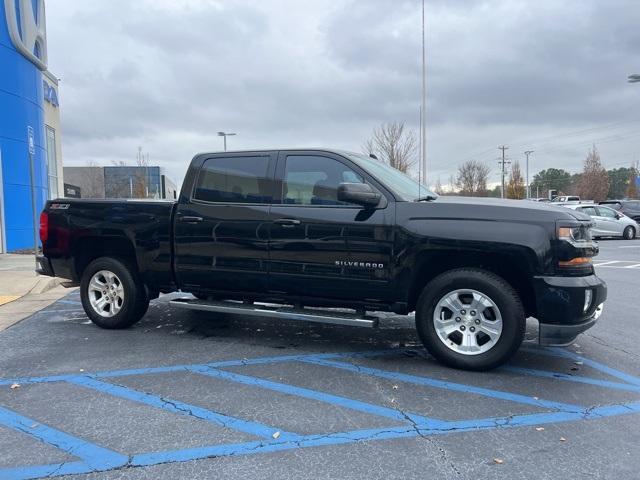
[44,284]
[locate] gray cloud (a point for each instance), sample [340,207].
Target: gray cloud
[168,75]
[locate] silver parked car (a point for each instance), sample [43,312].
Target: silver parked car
[608,222]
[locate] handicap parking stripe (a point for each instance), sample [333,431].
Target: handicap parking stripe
[181,408]
[93,458]
[320,396]
[456,387]
[573,378]
[563,353]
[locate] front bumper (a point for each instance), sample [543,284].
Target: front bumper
[560,303]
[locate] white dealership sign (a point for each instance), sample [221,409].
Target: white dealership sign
[28,30]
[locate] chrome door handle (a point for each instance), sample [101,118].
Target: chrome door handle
[188,219]
[287,222]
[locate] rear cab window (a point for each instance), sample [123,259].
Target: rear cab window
[234,180]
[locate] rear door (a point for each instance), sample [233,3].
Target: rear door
[321,247]
[597,229]
[222,224]
[609,219]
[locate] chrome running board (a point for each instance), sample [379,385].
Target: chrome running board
[277,311]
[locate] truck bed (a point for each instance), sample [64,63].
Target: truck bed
[138,229]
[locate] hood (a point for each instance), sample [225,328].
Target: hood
[501,209]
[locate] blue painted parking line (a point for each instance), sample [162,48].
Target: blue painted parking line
[319,396]
[94,458]
[456,387]
[386,433]
[573,378]
[564,353]
[181,408]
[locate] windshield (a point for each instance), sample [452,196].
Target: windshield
[399,183]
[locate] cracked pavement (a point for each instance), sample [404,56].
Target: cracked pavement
[60,341]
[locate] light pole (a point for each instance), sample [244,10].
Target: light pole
[225,135]
[635,78]
[527,153]
[423,129]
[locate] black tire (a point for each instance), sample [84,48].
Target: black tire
[489,284]
[629,233]
[134,304]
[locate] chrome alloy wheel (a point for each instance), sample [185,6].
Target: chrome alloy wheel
[106,293]
[467,321]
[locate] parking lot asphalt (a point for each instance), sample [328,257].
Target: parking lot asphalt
[190,395]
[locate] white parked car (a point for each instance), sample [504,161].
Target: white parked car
[608,222]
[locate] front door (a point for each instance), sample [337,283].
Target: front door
[321,247]
[222,229]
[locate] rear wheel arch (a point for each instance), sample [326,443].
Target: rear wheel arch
[90,248]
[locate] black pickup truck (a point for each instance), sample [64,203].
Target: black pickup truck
[310,234]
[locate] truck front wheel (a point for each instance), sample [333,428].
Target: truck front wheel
[470,319]
[111,294]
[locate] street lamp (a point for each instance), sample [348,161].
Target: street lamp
[635,78]
[225,135]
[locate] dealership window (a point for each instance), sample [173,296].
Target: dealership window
[52,163]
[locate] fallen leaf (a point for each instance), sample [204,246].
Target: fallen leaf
[539,429]
[499,461]
[14,386]
[276,435]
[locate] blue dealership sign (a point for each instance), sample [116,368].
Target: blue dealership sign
[23,56]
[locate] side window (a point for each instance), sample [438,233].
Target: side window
[591,211]
[314,180]
[606,212]
[234,180]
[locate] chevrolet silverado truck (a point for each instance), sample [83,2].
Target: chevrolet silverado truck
[331,236]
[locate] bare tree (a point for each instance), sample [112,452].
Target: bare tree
[472,178]
[438,187]
[452,185]
[515,187]
[394,144]
[594,181]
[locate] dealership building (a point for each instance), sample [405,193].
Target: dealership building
[30,153]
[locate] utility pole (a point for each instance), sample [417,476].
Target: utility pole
[502,164]
[527,153]
[423,132]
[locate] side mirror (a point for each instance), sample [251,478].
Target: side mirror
[358,193]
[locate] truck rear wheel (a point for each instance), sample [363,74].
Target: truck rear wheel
[111,294]
[470,319]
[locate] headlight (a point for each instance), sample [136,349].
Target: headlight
[575,234]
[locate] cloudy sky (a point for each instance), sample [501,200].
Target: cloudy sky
[544,75]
